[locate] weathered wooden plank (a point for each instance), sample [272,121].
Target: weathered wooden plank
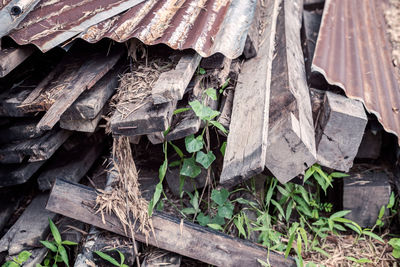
[171,85]
[247,141]
[90,103]
[253,36]
[364,193]
[13,174]
[81,125]
[291,142]
[311,24]
[10,58]
[184,238]
[36,149]
[72,165]
[11,100]
[20,130]
[147,119]
[76,79]
[339,131]
[31,227]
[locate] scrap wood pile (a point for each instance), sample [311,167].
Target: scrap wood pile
[190,99]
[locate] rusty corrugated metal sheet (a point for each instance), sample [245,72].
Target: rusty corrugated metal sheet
[207,26]
[353,53]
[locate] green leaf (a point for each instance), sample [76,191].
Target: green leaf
[69,243]
[212,93]
[203,219]
[195,201]
[289,245]
[189,210]
[321,251]
[270,192]
[156,198]
[193,144]
[205,159]
[353,227]
[308,174]
[263,263]
[220,196]
[339,227]
[395,243]
[391,201]
[55,232]
[299,243]
[239,225]
[303,234]
[180,110]
[63,254]
[10,264]
[107,258]
[279,207]
[190,168]
[121,256]
[49,245]
[175,163]
[215,226]
[218,220]
[226,210]
[339,214]
[373,235]
[202,71]
[163,170]
[381,212]
[219,126]
[226,83]
[223,148]
[177,150]
[202,111]
[338,175]
[396,253]
[23,256]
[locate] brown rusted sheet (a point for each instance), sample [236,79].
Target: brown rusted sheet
[353,53]
[207,26]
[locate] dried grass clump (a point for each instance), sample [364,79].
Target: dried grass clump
[125,199]
[343,246]
[135,86]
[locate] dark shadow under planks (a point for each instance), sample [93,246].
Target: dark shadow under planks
[10,101]
[36,149]
[291,141]
[31,227]
[185,238]
[247,140]
[19,130]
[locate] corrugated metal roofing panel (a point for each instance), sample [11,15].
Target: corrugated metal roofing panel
[353,53]
[207,26]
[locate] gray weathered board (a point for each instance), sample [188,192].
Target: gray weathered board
[10,101]
[311,24]
[19,130]
[13,174]
[69,80]
[171,85]
[291,143]
[10,58]
[36,149]
[181,237]
[247,141]
[252,43]
[31,227]
[82,125]
[339,131]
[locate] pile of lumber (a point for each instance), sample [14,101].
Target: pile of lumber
[58,117]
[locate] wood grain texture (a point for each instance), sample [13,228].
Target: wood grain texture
[10,58]
[247,140]
[291,142]
[81,125]
[171,85]
[184,238]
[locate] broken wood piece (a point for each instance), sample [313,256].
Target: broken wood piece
[90,104]
[11,100]
[36,149]
[291,140]
[247,140]
[252,43]
[72,165]
[170,233]
[10,58]
[340,130]
[357,192]
[31,227]
[19,130]
[171,85]
[13,174]
[75,79]
[81,125]
[311,24]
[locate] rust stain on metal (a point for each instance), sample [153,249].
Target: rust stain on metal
[353,53]
[201,25]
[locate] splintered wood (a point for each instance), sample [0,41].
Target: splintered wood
[247,141]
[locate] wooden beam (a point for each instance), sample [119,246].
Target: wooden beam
[90,103]
[36,149]
[11,100]
[10,58]
[247,140]
[81,125]
[291,141]
[253,36]
[20,130]
[172,84]
[181,237]
[13,174]
[31,227]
